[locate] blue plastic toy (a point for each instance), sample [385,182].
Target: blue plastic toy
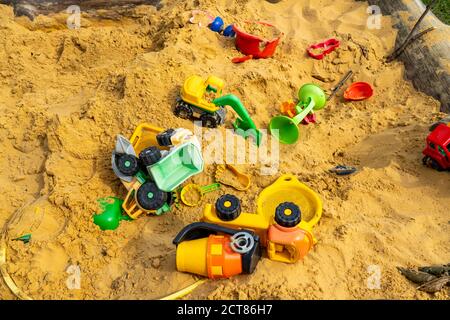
[229,32]
[216,25]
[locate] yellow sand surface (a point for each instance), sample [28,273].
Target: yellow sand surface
[65,94]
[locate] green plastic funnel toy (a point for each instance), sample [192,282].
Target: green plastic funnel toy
[111,215]
[285,129]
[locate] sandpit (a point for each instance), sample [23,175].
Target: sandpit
[65,94]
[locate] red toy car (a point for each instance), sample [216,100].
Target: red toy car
[437,152]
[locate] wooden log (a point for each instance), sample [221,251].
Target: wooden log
[427,60]
[37,7]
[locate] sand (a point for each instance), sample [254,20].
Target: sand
[65,94]
[260,30]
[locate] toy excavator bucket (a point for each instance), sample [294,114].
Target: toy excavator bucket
[145,136]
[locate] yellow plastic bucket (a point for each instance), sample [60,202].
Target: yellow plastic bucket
[191,256]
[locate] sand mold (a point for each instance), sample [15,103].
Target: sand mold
[65,94]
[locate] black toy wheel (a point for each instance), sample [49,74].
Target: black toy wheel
[170,198]
[425,160]
[435,165]
[149,197]
[150,156]
[127,164]
[228,207]
[288,215]
[164,137]
[183,110]
[209,120]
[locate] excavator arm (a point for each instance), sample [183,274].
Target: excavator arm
[244,125]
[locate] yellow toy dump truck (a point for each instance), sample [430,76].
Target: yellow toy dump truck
[196,101]
[152,164]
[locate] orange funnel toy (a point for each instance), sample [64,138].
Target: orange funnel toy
[358,91]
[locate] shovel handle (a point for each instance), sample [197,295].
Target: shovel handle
[210,188]
[242,59]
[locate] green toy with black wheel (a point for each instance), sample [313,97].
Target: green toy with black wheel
[285,129]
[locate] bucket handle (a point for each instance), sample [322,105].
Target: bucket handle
[198,230]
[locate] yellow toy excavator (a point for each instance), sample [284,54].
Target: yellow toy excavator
[202,99]
[196,101]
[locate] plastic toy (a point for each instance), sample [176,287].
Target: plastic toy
[197,13]
[242,59]
[215,251]
[192,104]
[229,31]
[192,194]
[25,238]
[285,129]
[166,159]
[124,147]
[244,125]
[111,213]
[217,24]
[236,179]
[437,152]
[327,47]
[171,157]
[286,214]
[254,46]
[184,162]
[343,170]
[288,109]
[358,91]
[445,121]
[214,24]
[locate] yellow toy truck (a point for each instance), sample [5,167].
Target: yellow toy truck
[229,242]
[152,164]
[196,101]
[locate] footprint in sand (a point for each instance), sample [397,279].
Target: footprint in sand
[310,15]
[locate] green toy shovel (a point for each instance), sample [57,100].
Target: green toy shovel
[285,129]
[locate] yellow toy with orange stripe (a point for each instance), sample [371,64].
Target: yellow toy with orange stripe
[216,252]
[286,213]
